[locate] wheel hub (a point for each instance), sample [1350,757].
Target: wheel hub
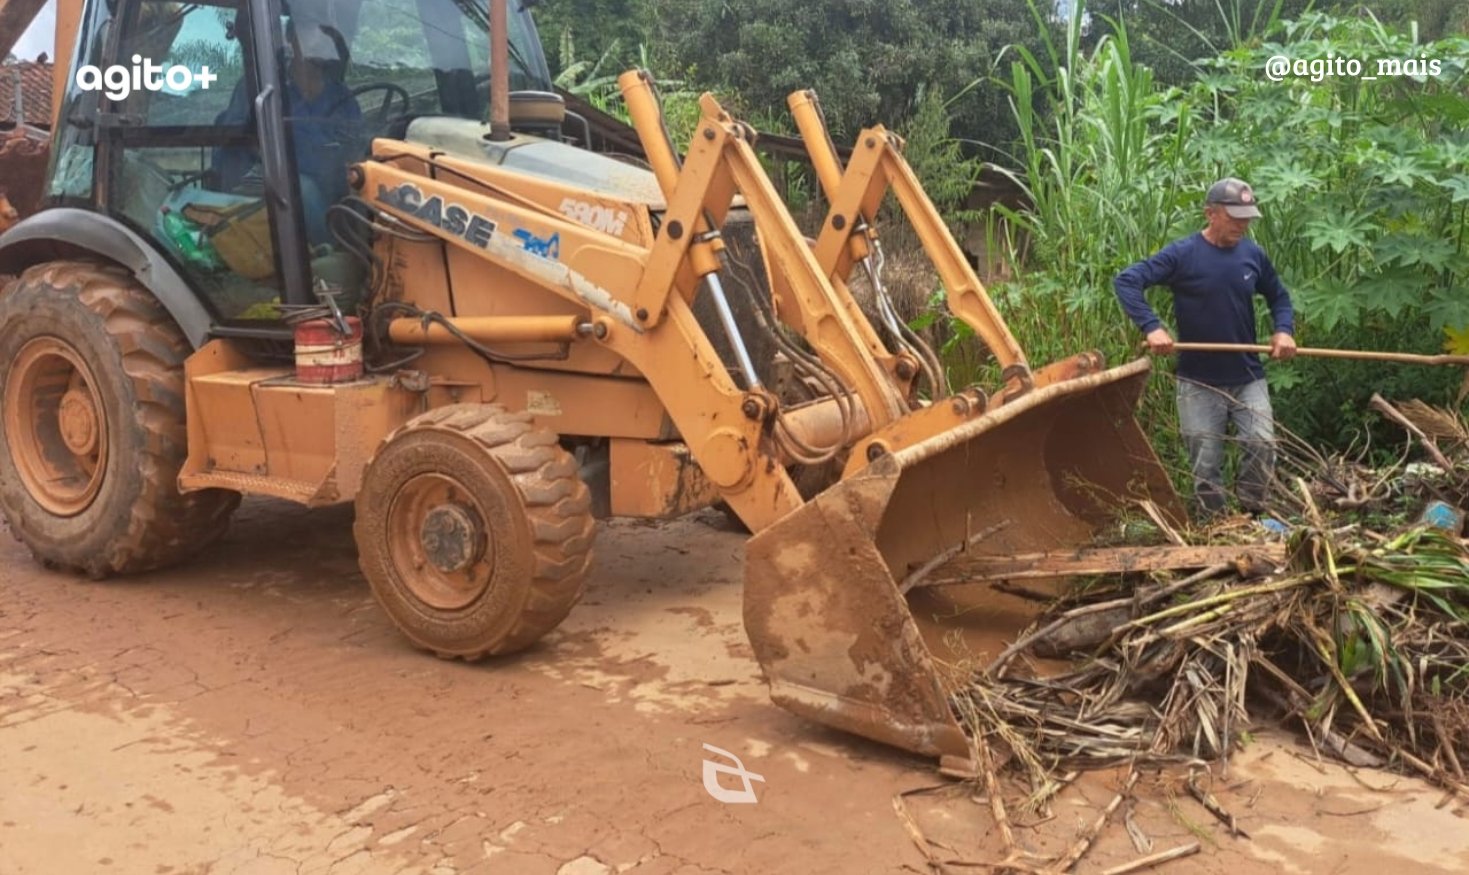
[77,418]
[451,537]
[440,542]
[56,426]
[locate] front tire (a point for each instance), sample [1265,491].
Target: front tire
[92,431]
[474,530]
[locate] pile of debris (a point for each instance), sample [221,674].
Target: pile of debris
[1345,612]
[1359,635]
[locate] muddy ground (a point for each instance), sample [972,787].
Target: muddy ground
[254,712]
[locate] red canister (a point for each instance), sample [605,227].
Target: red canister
[325,355]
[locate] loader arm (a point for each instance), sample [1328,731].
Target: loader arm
[849,235]
[836,330]
[816,301]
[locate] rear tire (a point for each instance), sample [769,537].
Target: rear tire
[474,530]
[92,431]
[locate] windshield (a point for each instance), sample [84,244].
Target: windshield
[436,52]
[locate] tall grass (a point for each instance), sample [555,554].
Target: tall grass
[1101,176]
[1103,163]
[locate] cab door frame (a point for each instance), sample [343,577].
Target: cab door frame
[264,78]
[282,185]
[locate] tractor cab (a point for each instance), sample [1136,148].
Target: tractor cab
[235,169]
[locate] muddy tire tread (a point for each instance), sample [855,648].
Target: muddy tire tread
[557,503]
[163,526]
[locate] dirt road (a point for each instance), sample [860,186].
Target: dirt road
[254,712]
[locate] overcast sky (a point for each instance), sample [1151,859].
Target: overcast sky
[41,37]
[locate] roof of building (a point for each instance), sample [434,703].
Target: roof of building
[34,78]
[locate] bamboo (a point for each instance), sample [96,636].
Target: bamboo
[1099,560]
[1142,598]
[1144,862]
[1324,352]
[1205,650]
[920,841]
[923,570]
[1211,805]
[1380,404]
[996,793]
[1074,854]
[1224,597]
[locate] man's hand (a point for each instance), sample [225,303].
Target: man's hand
[1282,346]
[1160,342]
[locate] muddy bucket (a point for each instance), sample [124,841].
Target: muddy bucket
[826,610]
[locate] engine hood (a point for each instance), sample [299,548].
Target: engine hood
[536,156]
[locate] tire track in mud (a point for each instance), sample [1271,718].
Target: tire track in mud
[254,712]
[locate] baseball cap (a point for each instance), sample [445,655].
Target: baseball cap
[318,42]
[1236,196]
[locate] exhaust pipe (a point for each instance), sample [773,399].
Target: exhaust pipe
[499,71]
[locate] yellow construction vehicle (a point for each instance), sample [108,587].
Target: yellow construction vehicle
[363,263]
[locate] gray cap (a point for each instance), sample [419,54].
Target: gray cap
[1236,196]
[318,42]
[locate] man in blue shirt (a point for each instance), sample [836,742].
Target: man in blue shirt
[324,116]
[1214,276]
[325,120]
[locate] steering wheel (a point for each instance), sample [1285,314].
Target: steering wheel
[172,179]
[390,91]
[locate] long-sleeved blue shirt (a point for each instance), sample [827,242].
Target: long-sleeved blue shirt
[320,129]
[1213,300]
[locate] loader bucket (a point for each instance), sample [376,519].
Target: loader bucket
[841,643]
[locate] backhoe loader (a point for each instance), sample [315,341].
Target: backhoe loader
[371,262]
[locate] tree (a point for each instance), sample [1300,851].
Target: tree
[594,27]
[868,60]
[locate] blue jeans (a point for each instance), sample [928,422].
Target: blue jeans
[1204,414]
[314,202]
